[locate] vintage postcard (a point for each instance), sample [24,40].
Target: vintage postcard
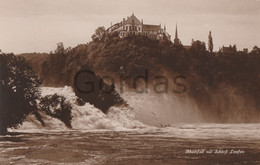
[130,82]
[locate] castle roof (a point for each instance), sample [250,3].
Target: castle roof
[227,49]
[132,17]
[151,27]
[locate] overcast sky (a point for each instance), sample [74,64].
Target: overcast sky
[38,25]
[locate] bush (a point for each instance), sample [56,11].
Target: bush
[19,88]
[56,106]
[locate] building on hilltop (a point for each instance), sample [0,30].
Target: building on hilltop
[133,26]
[228,50]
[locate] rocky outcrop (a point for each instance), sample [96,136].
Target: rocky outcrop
[92,89]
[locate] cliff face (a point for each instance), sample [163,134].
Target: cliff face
[92,89]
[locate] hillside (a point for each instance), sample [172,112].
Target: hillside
[35,59]
[220,85]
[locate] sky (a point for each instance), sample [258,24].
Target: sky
[38,25]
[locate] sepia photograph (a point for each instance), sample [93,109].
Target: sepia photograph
[130,82]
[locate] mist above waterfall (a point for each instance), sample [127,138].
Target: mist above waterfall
[163,109]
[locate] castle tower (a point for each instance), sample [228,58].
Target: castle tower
[176,39]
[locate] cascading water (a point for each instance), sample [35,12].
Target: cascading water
[84,117]
[162,109]
[144,110]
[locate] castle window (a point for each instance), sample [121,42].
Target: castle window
[139,28]
[126,28]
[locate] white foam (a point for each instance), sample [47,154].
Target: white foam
[85,117]
[162,109]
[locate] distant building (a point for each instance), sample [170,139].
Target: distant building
[228,50]
[187,47]
[133,26]
[177,41]
[245,50]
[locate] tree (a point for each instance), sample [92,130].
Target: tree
[99,34]
[210,44]
[56,106]
[235,48]
[52,71]
[60,48]
[19,88]
[198,48]
[255,51]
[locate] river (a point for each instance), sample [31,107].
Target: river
[178,144]
[149,133]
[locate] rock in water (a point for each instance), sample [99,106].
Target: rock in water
[92,89]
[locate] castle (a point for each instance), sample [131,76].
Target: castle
[133,26]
